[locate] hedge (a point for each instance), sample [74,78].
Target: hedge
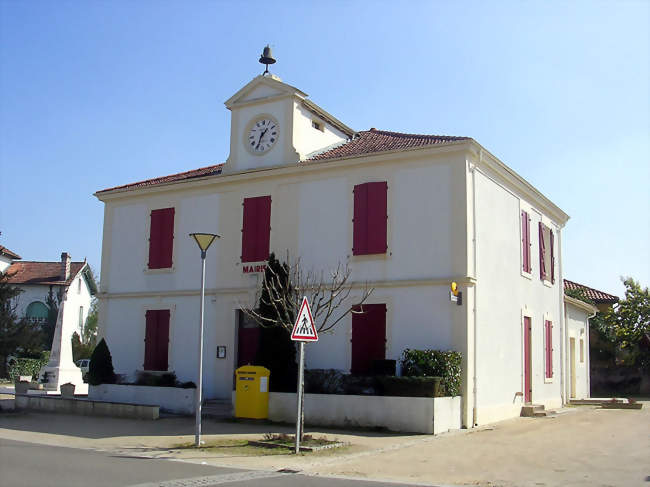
[26,366]
[445,364]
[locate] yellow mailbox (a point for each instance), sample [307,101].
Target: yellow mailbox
[252,392]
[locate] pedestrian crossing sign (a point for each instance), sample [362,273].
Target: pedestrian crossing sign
[304,330]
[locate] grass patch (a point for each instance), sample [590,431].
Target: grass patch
[230,448]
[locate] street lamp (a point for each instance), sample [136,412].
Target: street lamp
[203,240]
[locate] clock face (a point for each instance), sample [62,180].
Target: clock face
[262,136]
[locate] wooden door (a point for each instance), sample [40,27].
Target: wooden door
[248,340]
[528,379]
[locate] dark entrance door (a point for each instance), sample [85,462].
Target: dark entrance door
[248,340]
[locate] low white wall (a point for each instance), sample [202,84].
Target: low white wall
[56,404]
[172,399]
[404,414]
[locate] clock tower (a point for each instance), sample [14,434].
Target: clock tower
[274,124]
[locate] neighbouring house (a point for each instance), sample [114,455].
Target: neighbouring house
[408,213]
[72,286]
[38,279]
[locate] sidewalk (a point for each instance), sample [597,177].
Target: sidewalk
[584,446]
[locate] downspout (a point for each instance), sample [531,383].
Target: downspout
[563,337]
[474,245]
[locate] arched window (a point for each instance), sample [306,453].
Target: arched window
[36,312]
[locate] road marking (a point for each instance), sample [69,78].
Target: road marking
[213,479]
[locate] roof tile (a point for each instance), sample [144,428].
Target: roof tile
[594,294]
[365,142]
[48,273]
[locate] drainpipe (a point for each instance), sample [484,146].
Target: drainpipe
[587,348]
[563,331]
[474,245]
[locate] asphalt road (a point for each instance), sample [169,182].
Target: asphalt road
[29,464]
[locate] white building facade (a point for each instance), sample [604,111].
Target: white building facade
[407,213]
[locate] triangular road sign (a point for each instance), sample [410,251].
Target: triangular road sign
[304,330]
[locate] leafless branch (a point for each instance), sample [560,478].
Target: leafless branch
[329,294]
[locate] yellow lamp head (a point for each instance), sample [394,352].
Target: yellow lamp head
[454,288]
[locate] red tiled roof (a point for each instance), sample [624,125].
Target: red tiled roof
[373,140]
[9,253]
[594,294]
[41,272]
[366,142]
[181,176]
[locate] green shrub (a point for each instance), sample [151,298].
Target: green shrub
[100,370]
[26,366]
[411,386]
[445,364]
[167,379]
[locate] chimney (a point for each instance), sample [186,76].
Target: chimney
[65,266]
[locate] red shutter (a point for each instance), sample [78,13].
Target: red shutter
[525,240]
[542,249]
[377,217]
[249,230]
[256,231]
[156,339]
[360,222]
[162,340]
[161,238]
[552,238]
[151,319]
[368,337]
[370,219]
[549,349]
[263,227]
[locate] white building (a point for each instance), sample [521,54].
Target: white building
[38,279]
[408,213]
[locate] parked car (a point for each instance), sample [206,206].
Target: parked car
[83,364]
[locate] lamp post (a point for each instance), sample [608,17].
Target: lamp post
[203,240]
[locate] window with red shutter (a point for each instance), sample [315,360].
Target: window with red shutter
[542,252]
[256,229]
[368,337]
[548,344]
[369,229]
[552,263]
[161,238]
[156,339]
[525,242]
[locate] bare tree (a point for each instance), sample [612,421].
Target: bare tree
[327,292]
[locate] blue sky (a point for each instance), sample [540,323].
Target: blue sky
[95,94]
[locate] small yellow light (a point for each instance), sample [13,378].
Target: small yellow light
[454,288]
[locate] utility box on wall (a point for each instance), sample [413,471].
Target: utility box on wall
[252,392]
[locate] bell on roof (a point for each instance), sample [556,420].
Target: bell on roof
[267,58]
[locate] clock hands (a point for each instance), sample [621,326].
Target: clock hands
[260,139]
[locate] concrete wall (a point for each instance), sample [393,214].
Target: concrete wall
[504,295]
[86,407]
[172,399]
[404,414]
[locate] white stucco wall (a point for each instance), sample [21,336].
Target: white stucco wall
[503,297]
[312,218]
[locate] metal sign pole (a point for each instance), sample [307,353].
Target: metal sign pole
[199,385]
[301,371]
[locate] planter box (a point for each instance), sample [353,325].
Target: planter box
[171,399]
[430,415]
